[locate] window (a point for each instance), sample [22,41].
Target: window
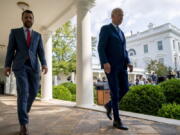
[131,52]
[161,60]
[174,45]
[160,45]
[175,62]
[135,64]
[145,48]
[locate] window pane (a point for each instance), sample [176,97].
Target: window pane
[161,60]
[174,44]
[145,48]
[160,45]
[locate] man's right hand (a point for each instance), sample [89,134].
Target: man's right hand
[7,71]
[107,68]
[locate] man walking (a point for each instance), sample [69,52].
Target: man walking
[24,48]
[114,60]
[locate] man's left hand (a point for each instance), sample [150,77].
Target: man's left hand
[44,69]
[130,67]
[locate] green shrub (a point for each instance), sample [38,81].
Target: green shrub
[61,92]
[71,87]
[171,89]
[38,95]
[146,99]
[95,95]
[170,111]
[73,97]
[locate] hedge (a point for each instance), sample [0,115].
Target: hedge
[70,86]
[61,92]
[171,89]
[170,111]
[146,99]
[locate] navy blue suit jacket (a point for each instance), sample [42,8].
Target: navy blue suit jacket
[17,51]
[112,48]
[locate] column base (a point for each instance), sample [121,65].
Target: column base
[86,106]
[45,99]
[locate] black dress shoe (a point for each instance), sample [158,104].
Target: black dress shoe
[108,111]
[24,130]
[118,124]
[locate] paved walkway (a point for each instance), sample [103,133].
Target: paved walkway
[52,119]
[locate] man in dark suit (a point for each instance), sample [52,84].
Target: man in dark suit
[24,47]
[114,60]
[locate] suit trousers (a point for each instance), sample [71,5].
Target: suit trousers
[27,82]
[118,83]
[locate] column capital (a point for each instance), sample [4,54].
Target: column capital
[85,5]
[47,32]
[46,35]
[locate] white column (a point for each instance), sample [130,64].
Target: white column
[73,77]
[84,94]
[170,56]
[99,76]
[46,80]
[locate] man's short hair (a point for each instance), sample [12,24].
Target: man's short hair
[115,10]
[27,11]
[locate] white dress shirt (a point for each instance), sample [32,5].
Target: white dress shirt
[25,31]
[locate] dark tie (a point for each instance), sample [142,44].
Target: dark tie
[119,32]
[28,38]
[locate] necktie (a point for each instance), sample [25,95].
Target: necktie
[121,37]
[119,32]
[28,38]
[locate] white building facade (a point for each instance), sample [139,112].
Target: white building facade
[160,43]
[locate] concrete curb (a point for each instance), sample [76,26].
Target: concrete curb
[123,113]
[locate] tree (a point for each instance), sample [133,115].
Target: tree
[159,68]
[64,49]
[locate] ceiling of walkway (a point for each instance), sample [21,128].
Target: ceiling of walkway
[49,14]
